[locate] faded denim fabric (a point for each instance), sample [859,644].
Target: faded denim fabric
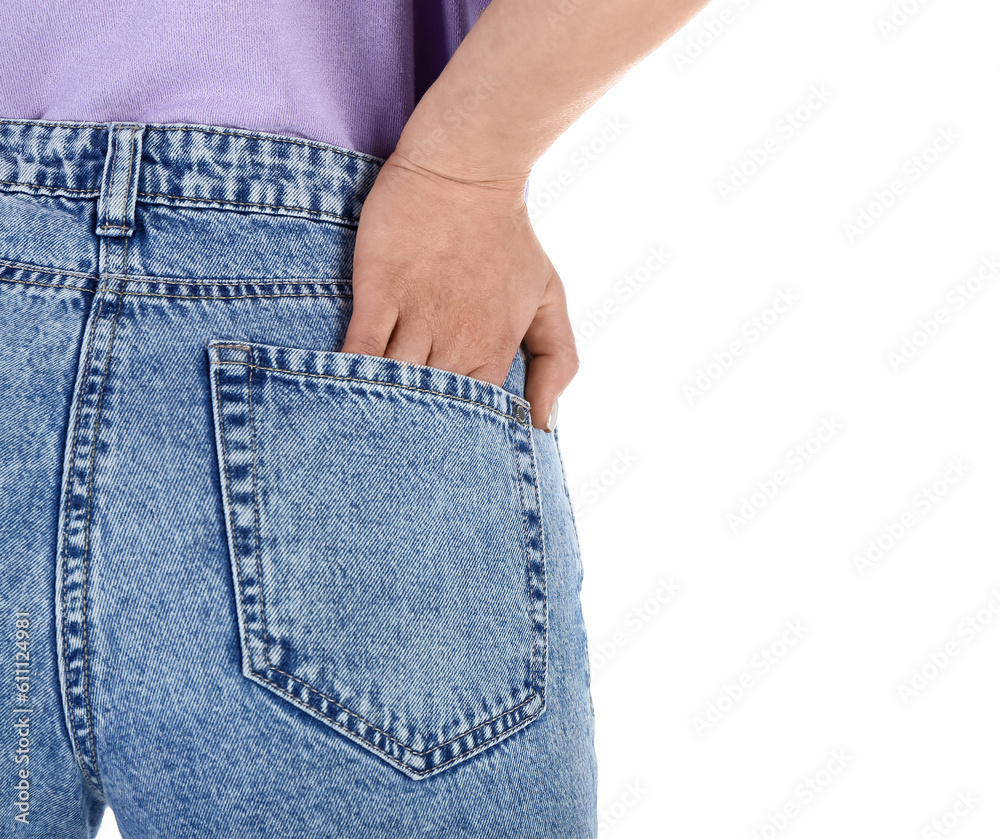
[252,586]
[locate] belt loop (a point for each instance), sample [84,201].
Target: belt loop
[120,182]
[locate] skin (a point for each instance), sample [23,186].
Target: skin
[447,269]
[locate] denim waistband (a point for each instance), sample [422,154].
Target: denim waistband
[180,164]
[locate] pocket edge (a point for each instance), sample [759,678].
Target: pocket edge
[416,765]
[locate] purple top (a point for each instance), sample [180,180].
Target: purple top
[347,72]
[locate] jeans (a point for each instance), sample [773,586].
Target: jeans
[252,586]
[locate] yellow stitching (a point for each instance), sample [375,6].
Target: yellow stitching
[111,176]
[148,279]
[244,204]
[69,496]
[154,280]
[379,730]
[256,509]
[128,183]
[67,123]
[541,550]
[101,126]
[260,575]
[271,139]
[227,297]
[92,190]
[511,397]
[38,269]
[225,463]
[232,520]
[177,296]
[86,541]
[46,285]
[194,198]
[518,479]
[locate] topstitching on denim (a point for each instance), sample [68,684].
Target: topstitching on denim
[260,573]
[350,174]
[118,427]
[203,289]
[72,512]
[422,762]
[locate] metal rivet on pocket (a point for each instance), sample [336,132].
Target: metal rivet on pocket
[520,414]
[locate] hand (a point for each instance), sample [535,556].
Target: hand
[448,273]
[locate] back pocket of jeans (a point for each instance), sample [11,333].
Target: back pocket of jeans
[384,526]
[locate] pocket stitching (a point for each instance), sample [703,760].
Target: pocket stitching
[527,566]
[409,749]
[527,559]
[344,708]
[543,634]
[512,396]
[232,523]
[267,673]
[256,511]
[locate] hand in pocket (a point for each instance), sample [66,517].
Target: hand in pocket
[450,274]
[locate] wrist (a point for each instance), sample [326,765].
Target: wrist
[464,142]
[453,190]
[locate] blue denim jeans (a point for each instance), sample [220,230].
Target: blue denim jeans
[253,586]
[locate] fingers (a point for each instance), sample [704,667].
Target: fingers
[479,342]
[370,327]
[442,279]
[495,371]
[410,341]
[554,364]
[377,329]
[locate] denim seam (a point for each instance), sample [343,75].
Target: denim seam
[154,279]
[46,285]
[266,674]
[513,398]
[196,198]
[534,640]
[177,296]
[40,269]
[91,190]
[66,513]
[232,514]
[65,123]
[516,470]
[93,193]
[103,126]
[273,138]
[111,174]
[229,297]
[134,278]
[541,550]
[128,184]
[90,498]
[389,736]
[256,509]
[69,494]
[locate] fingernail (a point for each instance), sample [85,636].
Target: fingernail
[553,416]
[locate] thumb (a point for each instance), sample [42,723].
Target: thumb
[550,341]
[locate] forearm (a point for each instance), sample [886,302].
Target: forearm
[526,71]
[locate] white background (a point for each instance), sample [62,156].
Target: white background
[698,558]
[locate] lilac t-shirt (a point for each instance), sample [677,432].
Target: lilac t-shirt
[347,72]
